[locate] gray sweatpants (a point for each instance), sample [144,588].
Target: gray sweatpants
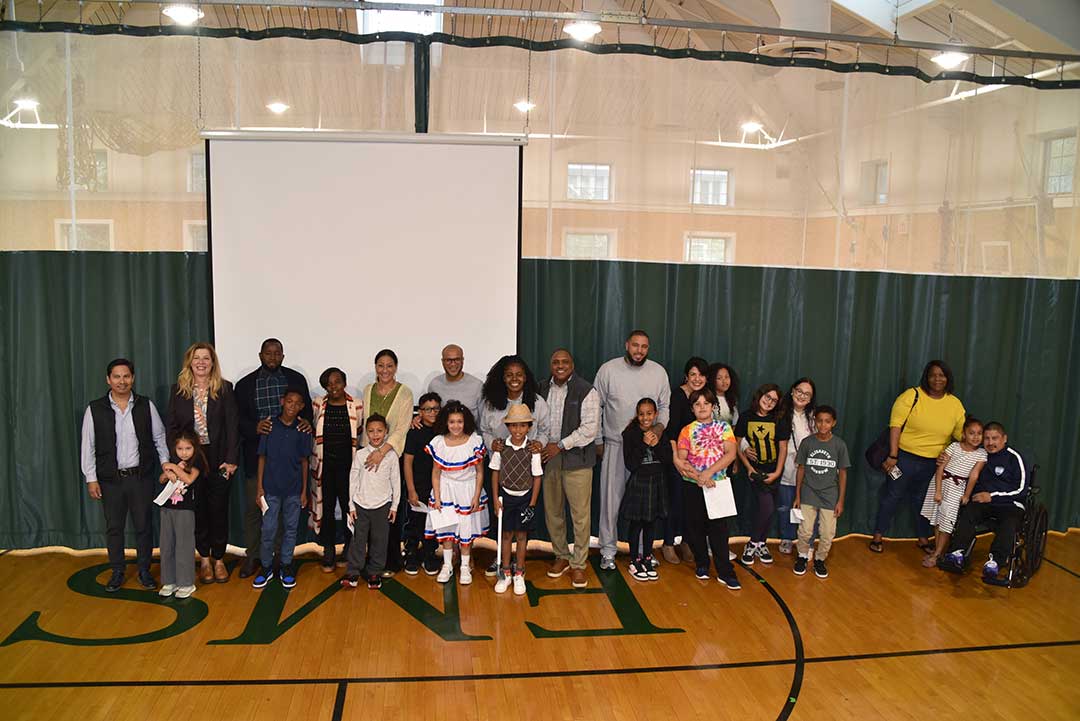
[613,477]
[177,547]
[370,532]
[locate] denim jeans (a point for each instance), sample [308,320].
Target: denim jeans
[916,473]
[289,508]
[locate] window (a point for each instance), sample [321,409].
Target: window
[88,235]
[711,187]
[195,236]
[196,179]
[587,181]
[996,257]
[874,182]
[589,244]
[382,21]
[709,248]
[1060,164]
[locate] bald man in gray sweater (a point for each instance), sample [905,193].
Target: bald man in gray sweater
[621,383]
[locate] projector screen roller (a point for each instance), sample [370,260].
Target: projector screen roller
[343,247]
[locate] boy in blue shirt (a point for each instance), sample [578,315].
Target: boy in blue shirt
[283,466]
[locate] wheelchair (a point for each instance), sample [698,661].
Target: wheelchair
[1029,545]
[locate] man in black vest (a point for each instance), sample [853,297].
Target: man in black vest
[123,451]
[569,458]
[258,399]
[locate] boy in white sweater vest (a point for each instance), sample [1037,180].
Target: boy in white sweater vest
[373,502]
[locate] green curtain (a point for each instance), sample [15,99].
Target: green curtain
[64,316]
[862,336]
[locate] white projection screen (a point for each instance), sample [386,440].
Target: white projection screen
[343,246]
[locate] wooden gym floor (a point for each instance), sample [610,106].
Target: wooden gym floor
[881,638]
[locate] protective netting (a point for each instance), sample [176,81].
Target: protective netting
[629,156]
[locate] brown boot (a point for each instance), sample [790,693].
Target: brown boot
[578,578]
[685,552]
[221,574]
[206,571]
[669,555]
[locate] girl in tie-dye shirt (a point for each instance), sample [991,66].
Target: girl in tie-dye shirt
[705,450]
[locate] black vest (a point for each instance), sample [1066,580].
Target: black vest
[576,390]
[104,417]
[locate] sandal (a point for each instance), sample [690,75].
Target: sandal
[930,561]
[221,574]
[206,571]
[876,546]
[927,548]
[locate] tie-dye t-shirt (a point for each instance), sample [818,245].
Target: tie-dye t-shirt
[704,445]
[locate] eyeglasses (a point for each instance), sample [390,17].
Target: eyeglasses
[430,409]
[452,360]
[798,393]
[769,399]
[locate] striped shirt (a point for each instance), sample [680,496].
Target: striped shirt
[961,462]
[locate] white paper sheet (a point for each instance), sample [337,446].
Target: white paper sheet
[350,523]
[796,515]
[166,493]
[419,508]
[443,517]
[263,504]
[720,500]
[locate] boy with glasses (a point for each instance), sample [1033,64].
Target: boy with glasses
[418,550]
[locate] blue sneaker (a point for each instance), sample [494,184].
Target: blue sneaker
[262,578]
[288,577]
[731,582]
[702,573]
[956,558]
[990,568]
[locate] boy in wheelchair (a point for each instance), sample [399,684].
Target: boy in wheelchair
[996,500]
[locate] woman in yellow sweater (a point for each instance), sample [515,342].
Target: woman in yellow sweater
[923,422]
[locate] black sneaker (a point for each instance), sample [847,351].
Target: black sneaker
[731,582]
[288,577]
[374,582]
[702,573]
[800,565]
[650,568]
[639,570]
[146,580]
[493,570]
[249,568]
[115,582]
[819,569]
[432,566]
[350,581]
[412,566]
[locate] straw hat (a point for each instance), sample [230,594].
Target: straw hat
[518,413]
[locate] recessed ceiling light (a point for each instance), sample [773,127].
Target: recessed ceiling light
[524,105]
[950,60]
[183,14]
[581,30]
[277,107]
[751,126]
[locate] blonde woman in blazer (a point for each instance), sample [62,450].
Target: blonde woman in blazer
[330,472]
[394,401]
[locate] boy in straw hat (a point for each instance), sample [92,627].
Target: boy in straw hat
[515,484]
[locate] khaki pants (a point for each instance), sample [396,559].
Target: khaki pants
[574,486]
[826,519]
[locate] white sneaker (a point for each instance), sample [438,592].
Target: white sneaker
[503,583]
[519,584]
[167,590]
[185,591]
[445,573]
[466,575]
[785,547]
[607,563]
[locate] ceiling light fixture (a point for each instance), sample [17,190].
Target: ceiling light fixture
[277,107]
[951,59]
[26,104]
[582,30]
[14,119]
[751,126]
[183,14]
[524,105]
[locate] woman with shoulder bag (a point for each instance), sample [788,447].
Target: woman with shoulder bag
[923,422]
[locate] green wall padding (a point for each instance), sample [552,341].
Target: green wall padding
[863,337]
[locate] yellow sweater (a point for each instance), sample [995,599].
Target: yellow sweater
[933,423]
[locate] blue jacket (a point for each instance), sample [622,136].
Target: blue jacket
[1005,478]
